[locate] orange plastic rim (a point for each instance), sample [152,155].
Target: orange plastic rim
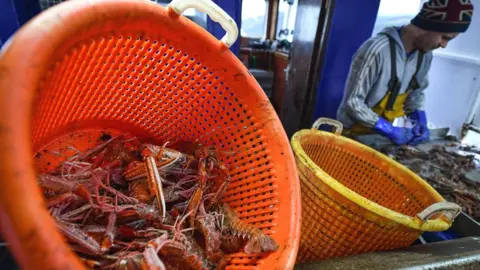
[134,66]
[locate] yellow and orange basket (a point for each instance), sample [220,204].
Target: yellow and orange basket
[356,200]
[134,66]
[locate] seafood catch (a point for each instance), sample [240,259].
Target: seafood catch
[126,204]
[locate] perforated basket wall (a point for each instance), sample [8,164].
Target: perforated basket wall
[134,67]
[333,225]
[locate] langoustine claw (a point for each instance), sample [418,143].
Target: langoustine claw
[109,233]
[150,253]
[156,183]
[80,237]
[56,183]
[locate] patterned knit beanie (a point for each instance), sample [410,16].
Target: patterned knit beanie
[447,16]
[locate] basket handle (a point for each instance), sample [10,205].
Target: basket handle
[450,211]
[321,121]
[214,12]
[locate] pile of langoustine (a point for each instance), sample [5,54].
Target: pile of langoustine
[129,205]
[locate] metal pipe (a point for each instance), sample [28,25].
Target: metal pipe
[476,104]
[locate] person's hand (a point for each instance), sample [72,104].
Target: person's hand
[420,129]
[397,135]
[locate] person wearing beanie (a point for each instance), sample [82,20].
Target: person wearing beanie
[388,74]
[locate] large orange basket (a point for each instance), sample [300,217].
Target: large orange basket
[355,199]
[134,66]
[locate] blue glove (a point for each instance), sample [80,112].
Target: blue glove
[397,135]
[420,130]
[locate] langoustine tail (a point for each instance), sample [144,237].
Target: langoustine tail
[260,243]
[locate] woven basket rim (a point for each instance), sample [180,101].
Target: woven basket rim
[438,224]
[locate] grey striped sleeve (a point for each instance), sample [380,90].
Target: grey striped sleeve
[416,99]
[364,71]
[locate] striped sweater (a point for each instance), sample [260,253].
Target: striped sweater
[369,75]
